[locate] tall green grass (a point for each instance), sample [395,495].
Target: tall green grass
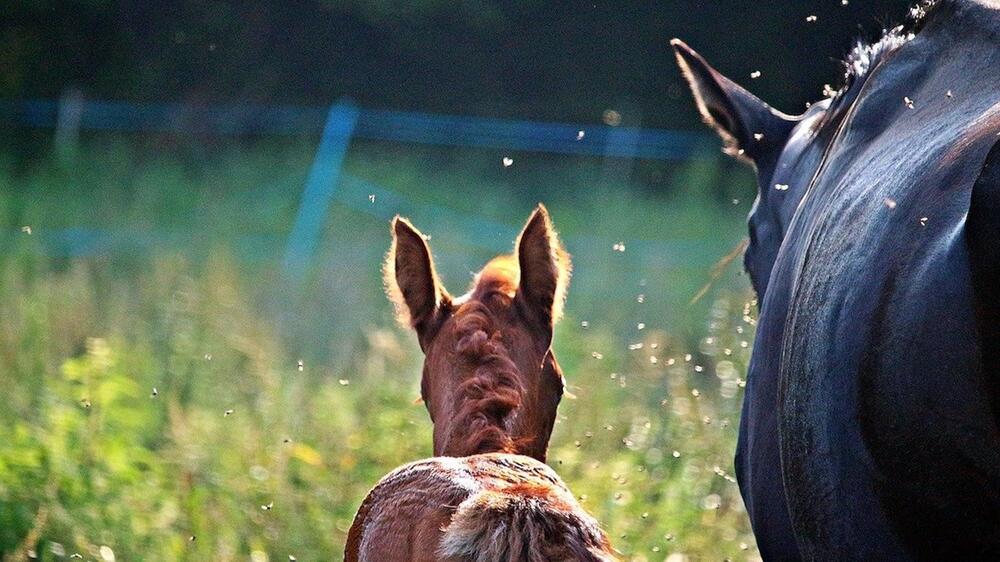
[240,453]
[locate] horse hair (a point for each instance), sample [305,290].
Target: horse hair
[865,56]
[489,397]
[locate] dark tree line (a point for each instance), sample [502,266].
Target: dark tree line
[533,59]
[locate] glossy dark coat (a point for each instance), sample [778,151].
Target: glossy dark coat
[870,420]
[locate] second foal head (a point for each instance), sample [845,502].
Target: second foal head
[490,381]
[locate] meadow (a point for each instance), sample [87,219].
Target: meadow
[171,392]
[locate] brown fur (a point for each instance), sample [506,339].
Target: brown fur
[531,517]
[483,508]
[487,398]
[490,380]
[409,259]
[491,386]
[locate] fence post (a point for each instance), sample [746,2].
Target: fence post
[320,186]
[67,134]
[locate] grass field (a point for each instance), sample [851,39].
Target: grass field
[171,393]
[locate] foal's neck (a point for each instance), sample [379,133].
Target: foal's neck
[488,400]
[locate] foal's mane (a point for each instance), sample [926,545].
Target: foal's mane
[487,400]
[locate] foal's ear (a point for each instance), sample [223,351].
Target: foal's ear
[410,280]
[545,268]
[748,126]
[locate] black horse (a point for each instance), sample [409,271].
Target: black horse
[870,422]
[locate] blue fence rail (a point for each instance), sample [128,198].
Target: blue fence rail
[338,126]
[372,124]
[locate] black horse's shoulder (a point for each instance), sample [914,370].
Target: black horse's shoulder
[986,191]
[983,223]
[983,235]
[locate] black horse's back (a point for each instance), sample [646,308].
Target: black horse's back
[875,245]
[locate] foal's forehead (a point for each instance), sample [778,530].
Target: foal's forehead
[500,277]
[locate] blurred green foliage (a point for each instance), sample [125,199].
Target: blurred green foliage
[155,407]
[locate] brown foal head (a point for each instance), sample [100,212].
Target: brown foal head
[490,381]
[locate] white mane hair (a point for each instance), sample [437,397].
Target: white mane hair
[864,56]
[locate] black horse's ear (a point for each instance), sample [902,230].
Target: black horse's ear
[748,126]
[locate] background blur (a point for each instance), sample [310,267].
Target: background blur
[196,358]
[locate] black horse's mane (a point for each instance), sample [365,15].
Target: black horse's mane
[865,56]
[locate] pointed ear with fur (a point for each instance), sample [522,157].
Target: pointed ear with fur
[748,126]
[545,269]
[410,280]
